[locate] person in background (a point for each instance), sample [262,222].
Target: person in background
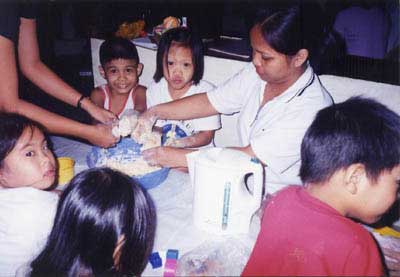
[364,27]
[392,8]
[18,30]
[104,226]
[276,96]
[179,73]
[121,68]
[27,209]
[351,170]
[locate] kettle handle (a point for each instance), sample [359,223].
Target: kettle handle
[258,185]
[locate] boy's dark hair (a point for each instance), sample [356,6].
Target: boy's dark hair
[11,128]
[98,207]
[185,38]
[117,48]
[358,130]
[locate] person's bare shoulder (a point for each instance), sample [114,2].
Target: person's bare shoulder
[97,96]
[140,103]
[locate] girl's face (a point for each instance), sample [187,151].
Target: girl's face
[121,75]
[30,163]
[178,69]
[271,66]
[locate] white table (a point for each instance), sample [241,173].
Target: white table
[173,202]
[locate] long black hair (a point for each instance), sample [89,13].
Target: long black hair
[99,207]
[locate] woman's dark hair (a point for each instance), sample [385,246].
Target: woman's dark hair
[181,36]
[358,130]
[117,48]
[11,128]
[97,208]
[291,27]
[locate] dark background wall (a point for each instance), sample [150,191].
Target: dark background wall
[65,28]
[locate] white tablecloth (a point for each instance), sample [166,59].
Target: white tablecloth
[173,201]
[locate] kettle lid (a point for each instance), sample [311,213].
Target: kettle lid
[225,156]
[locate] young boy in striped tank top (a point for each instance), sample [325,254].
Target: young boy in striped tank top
[121,68]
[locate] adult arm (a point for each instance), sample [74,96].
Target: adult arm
[37,72]
[194,106]
[167,156]
[10,102]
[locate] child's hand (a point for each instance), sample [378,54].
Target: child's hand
[392,260]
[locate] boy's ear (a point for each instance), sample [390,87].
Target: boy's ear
[353,177]
[101,71]
[139,69]
[300,57]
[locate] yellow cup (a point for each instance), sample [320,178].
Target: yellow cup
[65,170]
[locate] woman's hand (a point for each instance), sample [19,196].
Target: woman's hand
[101,135]
[98,113]
[166,156]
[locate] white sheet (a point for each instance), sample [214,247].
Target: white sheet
[173,201]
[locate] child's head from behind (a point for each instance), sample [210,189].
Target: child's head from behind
[120,64]
[180,58]
[104,225]
[25,159]
[358,140]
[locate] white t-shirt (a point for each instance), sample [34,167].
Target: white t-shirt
[26,219]
[157,93]
[276,130]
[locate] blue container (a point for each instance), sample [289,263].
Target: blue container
[179,133]
[127,150]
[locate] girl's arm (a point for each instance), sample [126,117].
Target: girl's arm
[37,72]
[200,139]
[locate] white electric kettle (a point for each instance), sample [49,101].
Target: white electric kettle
[228,187]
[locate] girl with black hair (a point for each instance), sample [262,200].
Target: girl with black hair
[27,208]
[179,73]
[104,226]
